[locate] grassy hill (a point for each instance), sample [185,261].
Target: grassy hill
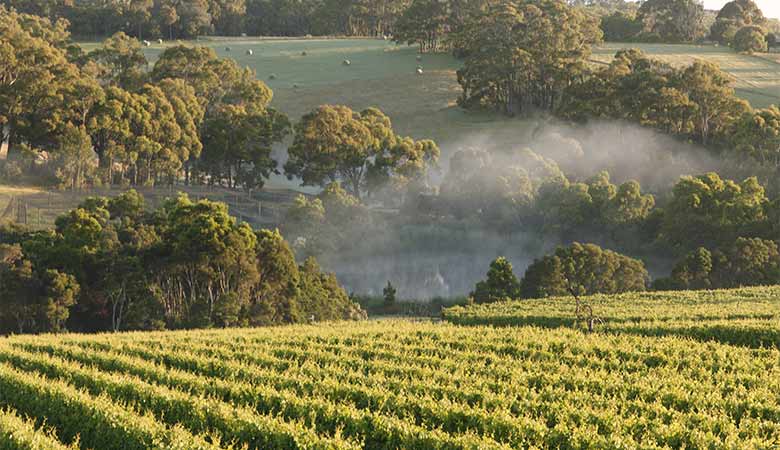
[406,384]
[383,74]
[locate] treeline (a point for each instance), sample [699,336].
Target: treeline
[577,269]
[106,118]
[695,103]
[587,269]
[740,23]
[112,265]
[427,23]
[169,19]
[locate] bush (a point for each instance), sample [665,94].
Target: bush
[746,262]
[583,269]
[10,171]
[501,283]
[750,40]
[723,31]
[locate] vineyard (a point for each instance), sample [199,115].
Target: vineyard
[747,317]
[405,384]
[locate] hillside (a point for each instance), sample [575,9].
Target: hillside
[403,384]
[739,316]
[382,74]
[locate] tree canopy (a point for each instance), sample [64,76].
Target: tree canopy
[673,20]
[361,150]
[500,284]
[522,54]
[111,265]
[583,269]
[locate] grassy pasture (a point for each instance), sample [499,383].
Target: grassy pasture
[383,74]
[756,77]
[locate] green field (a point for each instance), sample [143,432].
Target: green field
[756,77]
[407,384]
[383,74]
[40,208]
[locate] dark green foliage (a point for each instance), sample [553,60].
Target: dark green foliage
[673,20]
[388,294]
[112,266]
[500,284]
[750,39]
[104,118]
[424,23]
[620,27]
[693,272]
[152,19]
[321,296]
[33,300]
[746,262]
[757,136]
[523,53]
[696,102]
[583,269]
[709,211]
[360,150]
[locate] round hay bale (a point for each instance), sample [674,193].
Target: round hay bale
[159,41]
[346,62]
[419,71]
[250,52]
[272,76]
[147,44]
[308,36]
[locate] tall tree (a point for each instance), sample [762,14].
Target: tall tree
[120,62]
[238,144]
[334,143]
[758,136]
[524,53]
[501,283]
[708,210]
[34,76]
[424,23]
[673,20]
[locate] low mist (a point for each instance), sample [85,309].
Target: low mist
[444,262]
